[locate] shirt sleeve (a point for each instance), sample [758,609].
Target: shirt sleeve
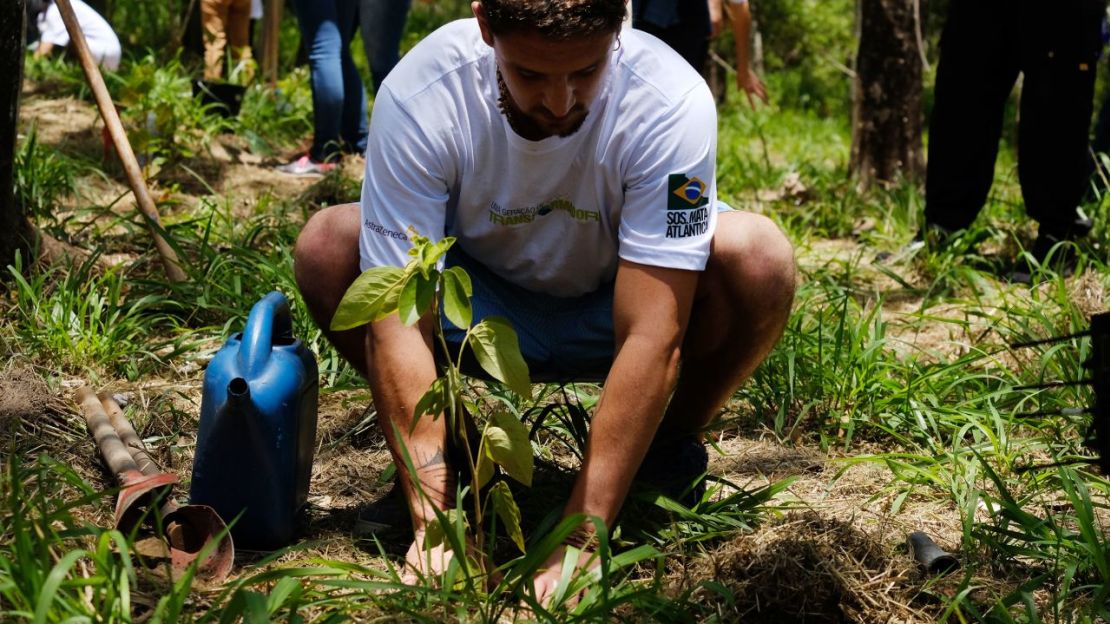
[405,188]
[669,212]
[51,27]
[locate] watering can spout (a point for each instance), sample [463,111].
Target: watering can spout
[239,412]
[238,393]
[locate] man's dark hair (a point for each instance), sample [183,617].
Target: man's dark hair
[555,19]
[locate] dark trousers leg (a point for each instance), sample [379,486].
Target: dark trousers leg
[1056,106]
[977,71]
[383,24]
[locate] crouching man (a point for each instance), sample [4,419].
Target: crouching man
[575,165]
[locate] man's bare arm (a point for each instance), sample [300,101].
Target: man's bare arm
[651,309]
[401,367]
[746,78]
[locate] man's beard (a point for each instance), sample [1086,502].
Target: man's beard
[520,122]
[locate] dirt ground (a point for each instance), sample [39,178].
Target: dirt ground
[837,554]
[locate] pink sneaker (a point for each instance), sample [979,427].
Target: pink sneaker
[305,166]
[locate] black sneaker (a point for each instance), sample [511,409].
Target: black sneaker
[931,236]
[388,514]
[676,468]
[1049,253]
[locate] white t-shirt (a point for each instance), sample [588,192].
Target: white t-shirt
[102,40]
[636,181]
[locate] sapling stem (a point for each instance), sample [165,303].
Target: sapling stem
[457,426]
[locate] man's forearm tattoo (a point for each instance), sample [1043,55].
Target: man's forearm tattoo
[435,476]
[435,460]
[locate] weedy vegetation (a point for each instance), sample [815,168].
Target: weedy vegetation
[893,402]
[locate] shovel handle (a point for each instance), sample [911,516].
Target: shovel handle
[107,440]
[131,440]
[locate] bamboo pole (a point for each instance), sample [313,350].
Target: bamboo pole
[119,138]
[126,432]
[107,439]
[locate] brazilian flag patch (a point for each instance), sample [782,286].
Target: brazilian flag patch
[684,192]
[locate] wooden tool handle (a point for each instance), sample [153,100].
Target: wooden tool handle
[107,440]
[119,138]
[126,432]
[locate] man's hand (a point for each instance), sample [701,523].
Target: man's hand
[547,581]
[748,82]
[44,49]
[422,562]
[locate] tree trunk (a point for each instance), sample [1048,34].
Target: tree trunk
[15,233]
[886,112]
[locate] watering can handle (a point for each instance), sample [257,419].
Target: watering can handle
[269,320]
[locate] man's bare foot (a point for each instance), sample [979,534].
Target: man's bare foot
[421,562]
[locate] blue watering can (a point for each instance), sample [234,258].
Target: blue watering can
[258,429]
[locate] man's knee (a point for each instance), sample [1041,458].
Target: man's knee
[756,256]
[326,257]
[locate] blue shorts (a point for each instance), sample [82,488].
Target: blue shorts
[561,339]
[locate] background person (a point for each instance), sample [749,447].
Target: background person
[688,26]
[225,23]
[338,96]
[102,40]
[739,12]
[985,45]
[383,24]
[685,26]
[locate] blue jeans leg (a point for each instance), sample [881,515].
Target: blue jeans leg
[338,97]
[383,24]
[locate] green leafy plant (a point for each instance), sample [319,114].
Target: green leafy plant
[43,176]
[276,117]
[83,317]
[165,120]
[420,289]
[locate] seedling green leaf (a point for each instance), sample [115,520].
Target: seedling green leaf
[508,512]
[496,347]
[416,296]
[371,297]
[435,533]
[457,290]
[484,469]
[506,442]
[430,254]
